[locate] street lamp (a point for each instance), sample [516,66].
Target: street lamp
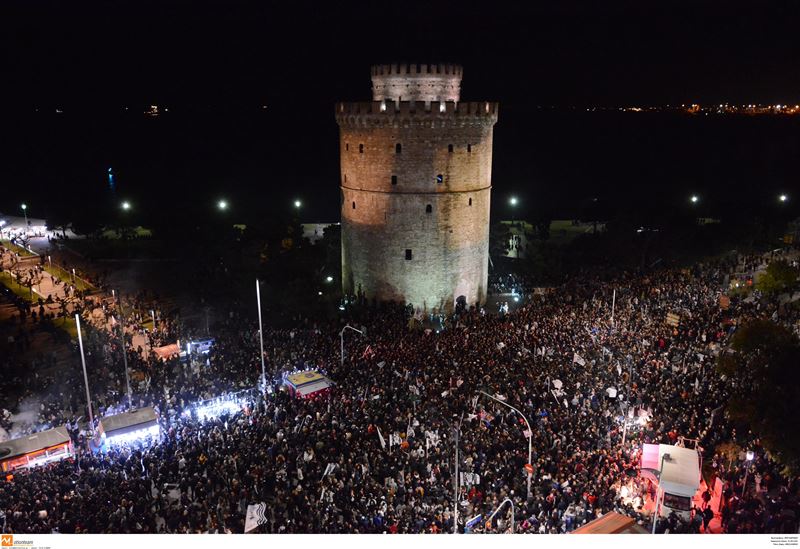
[502,503]
[328,279]
[261,340]
[222,205]
[126,205]
[694,199]
[25,213]
[341,339]
[513,201]
[783,198]
[530,436]
[297,204]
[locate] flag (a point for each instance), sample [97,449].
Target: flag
[380,436]
[255,516]
[577,358]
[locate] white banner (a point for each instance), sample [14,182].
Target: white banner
[577,358]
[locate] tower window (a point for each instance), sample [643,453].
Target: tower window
[394,180]
[428,209]
[408,255]
[361,148]
[439,178]
[469,148]
[354,205]
[345,178]
[347,146]
[450,148]
[398,148]
[470,202]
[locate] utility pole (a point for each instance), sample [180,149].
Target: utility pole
[85,377]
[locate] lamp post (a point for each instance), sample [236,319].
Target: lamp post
[502,503]
[125,351]
[341,340]
[694,199]
[222,205]
[25,213]
[613,305]
[261,341]
[783,198]
[85,377]
[748,460]
[530,436]
[660,471]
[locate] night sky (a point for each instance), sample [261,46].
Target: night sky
[215,63]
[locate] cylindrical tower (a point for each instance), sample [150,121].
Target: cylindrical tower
[416,189]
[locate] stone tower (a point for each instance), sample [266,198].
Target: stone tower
[416,180]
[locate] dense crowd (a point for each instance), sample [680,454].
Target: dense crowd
[378,454]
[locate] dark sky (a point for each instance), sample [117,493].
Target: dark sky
[562,53]
[213,63]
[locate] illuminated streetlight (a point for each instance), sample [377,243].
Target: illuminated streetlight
[329,279]
[783,198]
[222,205]
[694,199]
[297,203]
[25,213]
[126,205]
[513,201]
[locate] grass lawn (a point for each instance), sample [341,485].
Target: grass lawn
[66,276]
[19,249]
[11,283]
[68,325]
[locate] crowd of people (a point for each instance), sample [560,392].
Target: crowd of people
[378,453]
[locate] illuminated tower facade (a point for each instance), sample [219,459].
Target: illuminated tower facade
[416,180]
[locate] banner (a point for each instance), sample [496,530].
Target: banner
[255,516]
[577,358]
[470,479]
[431,439]
[673,320]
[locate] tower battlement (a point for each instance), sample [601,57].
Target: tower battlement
[413,69]
[389,112]
[412,82]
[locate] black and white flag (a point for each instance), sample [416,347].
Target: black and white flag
[255,516]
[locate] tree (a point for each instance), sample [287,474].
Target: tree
[763,371]
[779,277]
[499,240]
